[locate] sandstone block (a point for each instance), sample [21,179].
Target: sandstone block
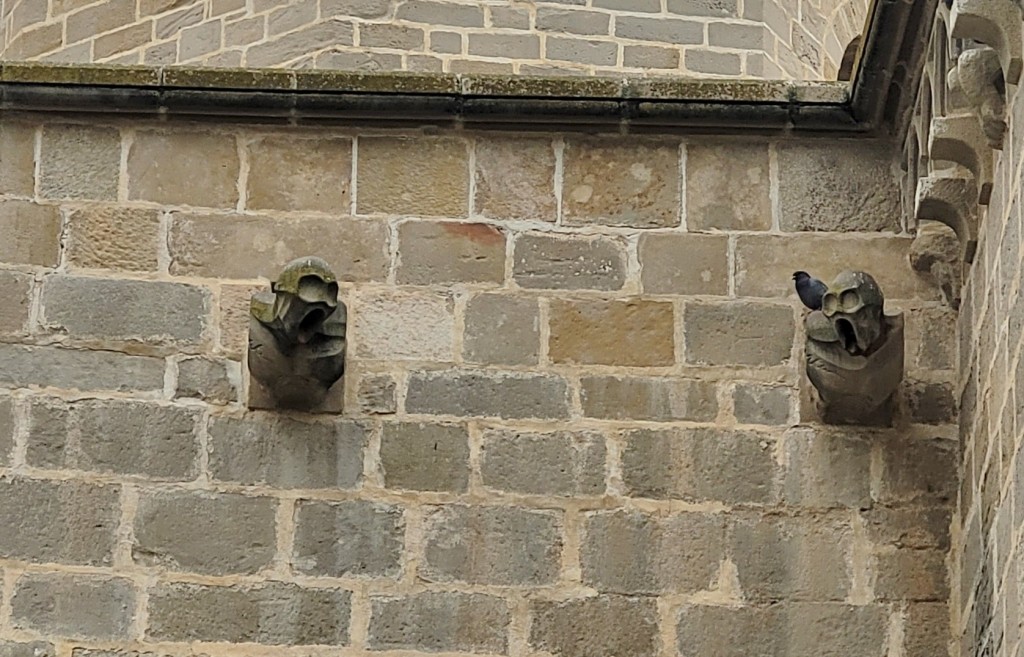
[274,613]
[515,178]
[716,63]
[286,18]
[450,252]
[404,326]
[919,575]
[146,311]
[779,630]
[501,329]
[286,173]
[931,338]
[377,395]
[703,7]
[510,17]
[114,436]
[488,394]
[326,34]
[914,528]
[557,463]
[738,333]
[206,533]
[706,270]
[81,606]
[440,622]
[420,456]
[917,469]
[758,404]
[927,630]
[603,626]
[72,522]
[727,184]
[163,167]
[681,551]
[357,538]
[637,332]
[15,291]
[646,6]
[573,21]
[273,450]
[31,234]
[382,35]
[84,370]
[802,558]
[446,42]
[827,187]
[6,430]
[827,469]
[569,263]
[441,13]
[733,467]
[358,8]
[123,40]
[108,237]
[251,247]
[80,162]
[621,184]
[581,51]
[774,258]
[515,46]
[650,57]
[426,176]
[653,399]
[209,379]
[497,546]
[17,171]
[32,649]
[663,30]
[930,403]
[740,36]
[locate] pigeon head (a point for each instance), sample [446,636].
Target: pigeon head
[800,276]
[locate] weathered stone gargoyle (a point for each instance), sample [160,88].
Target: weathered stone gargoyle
[855,352]
[297,340]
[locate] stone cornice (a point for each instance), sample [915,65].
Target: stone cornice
[871,104]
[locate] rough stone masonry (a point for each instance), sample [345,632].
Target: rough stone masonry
[574,422]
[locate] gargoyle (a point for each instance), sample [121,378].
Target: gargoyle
[297,338]
[855,352]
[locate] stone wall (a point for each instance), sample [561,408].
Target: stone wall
[803,39]
[573,415]
[963,156]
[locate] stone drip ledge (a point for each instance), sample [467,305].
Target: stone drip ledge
[295,95]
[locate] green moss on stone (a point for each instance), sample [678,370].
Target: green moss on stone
[541,86]
[78,74]
[228,78]
[356,82]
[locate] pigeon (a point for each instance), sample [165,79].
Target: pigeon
[809,289]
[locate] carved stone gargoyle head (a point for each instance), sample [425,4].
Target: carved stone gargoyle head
[855,352]
[297,339]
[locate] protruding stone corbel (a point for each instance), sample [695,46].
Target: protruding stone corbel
[996,23]
[952,201]
[854,352]
[977,77]
[935,253]
[960,139]
[297,340]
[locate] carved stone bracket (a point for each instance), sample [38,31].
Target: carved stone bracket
[977,78]
[935,253]
[952,201]
[996,23]
[297,340]
[960,139]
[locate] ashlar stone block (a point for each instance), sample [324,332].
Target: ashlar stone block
[450,252]
[80,606]
[291,173]
[356,538]
[515,178]
[634,332]
[621,184]
[440,622]
[727,185]
[426,176]
[163,167]
[498,546]
[501,329]
[556,463]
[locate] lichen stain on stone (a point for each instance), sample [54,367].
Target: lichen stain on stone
[479,233]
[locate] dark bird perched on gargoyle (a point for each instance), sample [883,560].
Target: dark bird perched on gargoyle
[297,338]
[810,290]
